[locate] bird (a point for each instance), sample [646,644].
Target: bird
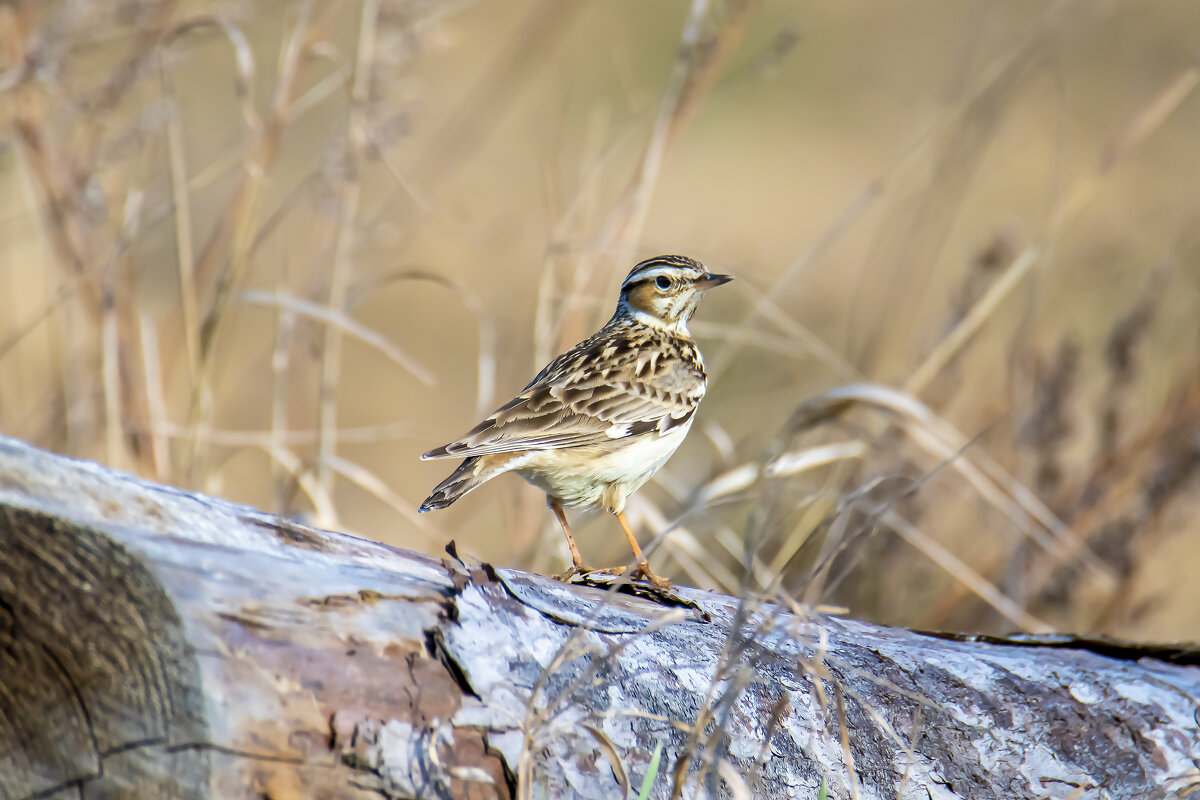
[599,420]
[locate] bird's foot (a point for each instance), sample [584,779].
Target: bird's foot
[640,573]
[643,571]
[639,582]
[583,570]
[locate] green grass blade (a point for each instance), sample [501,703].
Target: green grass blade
[651,773]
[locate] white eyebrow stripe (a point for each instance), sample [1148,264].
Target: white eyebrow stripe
[669,271]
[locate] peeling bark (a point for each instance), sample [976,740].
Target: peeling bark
[157,643]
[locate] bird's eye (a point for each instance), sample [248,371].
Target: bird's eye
[662,282]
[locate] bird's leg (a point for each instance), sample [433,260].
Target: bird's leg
[643,567]
[557,508]
[577,565]
[633,543]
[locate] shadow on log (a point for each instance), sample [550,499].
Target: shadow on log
[157,643]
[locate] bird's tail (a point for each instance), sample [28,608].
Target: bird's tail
[471,474]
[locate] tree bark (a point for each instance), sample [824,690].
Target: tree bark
[158,643]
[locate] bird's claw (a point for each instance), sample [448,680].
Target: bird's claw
[641,572]
[583,570]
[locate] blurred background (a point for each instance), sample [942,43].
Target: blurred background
[275,250]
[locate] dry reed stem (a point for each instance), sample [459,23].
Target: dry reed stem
[64,293]
[285,436]
[335,318]
[844,738]
[235,233]
[1148,119]
[695,70]
[972,322]
[321,502]
[948,445]
[839,535]
[701,54]
[613,757]
[817,509]
[764,304]
[181,205]
[491,97]
[733,780]
[953,565]
[156,402]
[910,240]
[281,363]
[110,350]
[474,303]
[1016,59]
[71,226]
[331,353]
[369,481]
[808,342]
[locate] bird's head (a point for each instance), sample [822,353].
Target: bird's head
[663,291]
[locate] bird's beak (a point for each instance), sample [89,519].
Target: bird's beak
[711,282]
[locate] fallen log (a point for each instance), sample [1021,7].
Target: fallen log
[159,643]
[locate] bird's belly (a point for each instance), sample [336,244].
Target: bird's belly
[590,477]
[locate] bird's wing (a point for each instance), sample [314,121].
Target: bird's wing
[594,394]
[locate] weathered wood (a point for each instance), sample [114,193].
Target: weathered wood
[156,643]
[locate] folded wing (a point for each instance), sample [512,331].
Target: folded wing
[567,405]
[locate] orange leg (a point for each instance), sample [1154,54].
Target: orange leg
[576,558]
[643,567]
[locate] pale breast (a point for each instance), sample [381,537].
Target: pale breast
[591,477]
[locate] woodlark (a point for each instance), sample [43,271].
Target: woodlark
[600,419]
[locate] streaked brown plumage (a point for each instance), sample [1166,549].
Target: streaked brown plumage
[603,417]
